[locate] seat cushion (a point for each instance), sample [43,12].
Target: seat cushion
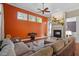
[7,50]
[66,41]
[8,41]
[36,45]
[21,48]
[58,45]
[46,51]
[28,53]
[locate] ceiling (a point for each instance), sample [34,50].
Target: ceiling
[53,7]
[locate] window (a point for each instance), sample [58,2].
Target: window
[21,16]
[39,20]
[32,18]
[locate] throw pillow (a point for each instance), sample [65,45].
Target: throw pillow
[21,48]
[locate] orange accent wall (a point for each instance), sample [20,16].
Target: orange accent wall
[19,28]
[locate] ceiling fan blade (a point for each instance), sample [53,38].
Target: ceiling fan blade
[43,10]
[38,9]
[46,9]
[39,12]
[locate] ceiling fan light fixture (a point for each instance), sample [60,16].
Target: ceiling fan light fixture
[44,9]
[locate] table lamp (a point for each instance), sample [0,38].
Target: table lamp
[68,33]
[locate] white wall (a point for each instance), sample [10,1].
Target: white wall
[1,22]
[75,34]
[49,28]
[73,13]
[0,27]
[77,29]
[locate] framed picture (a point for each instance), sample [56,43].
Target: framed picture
[71,26]
[39,20]
[21,16]
[32,18]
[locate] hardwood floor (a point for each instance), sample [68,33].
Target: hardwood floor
[77,49]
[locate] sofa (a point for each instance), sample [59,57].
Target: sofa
[63,47]
[59,48]
[7,50]
[68,49]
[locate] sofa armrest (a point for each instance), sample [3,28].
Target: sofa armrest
[68,50]
[46,51]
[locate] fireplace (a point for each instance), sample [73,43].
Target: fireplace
[57,33]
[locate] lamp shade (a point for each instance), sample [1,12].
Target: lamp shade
[68,32]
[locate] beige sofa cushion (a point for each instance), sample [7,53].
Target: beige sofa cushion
[46,51]
[66,41]
[28,53]
[71,38]
[21,48]
[58,45]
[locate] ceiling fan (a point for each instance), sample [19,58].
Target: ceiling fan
[44,9]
